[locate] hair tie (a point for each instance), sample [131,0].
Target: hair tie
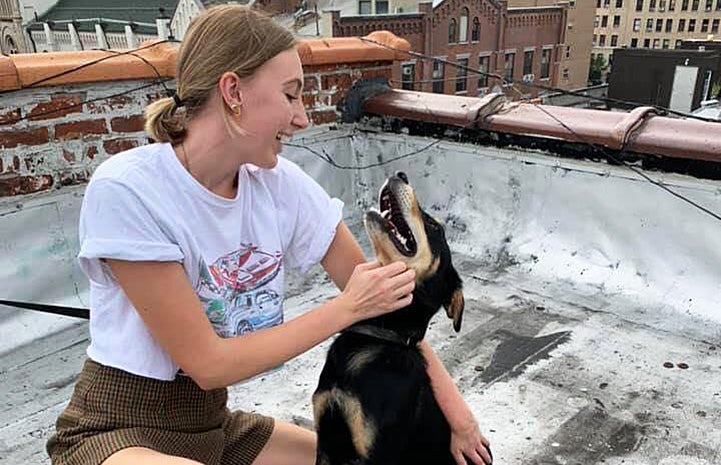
[177,100]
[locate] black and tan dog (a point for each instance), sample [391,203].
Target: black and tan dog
[374,404]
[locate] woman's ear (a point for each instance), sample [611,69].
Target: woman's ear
[230,88]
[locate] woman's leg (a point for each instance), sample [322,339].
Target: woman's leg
[288,445]
[144,456]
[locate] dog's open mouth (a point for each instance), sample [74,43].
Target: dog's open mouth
[395,223]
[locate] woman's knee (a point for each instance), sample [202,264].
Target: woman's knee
[289,444]
[143,456]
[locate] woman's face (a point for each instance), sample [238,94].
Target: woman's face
[272,108]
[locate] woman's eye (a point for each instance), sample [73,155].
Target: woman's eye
[291,98]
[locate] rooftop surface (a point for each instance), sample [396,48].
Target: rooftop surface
[591,333]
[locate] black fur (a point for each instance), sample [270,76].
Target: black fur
[392,387]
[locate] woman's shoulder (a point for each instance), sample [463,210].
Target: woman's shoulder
[130,165]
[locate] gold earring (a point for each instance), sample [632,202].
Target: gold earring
[235,108]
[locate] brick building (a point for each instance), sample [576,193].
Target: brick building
[525,44]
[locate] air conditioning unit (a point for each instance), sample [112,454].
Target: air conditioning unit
[529,77]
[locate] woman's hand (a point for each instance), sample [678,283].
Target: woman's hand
[468,445]
[373,290]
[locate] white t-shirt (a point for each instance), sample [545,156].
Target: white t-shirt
[143,205]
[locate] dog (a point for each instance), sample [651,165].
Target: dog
[374,404]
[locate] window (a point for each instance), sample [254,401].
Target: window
[694,5]
[718,5]
[566,74]
[438,78]
[476,31]
[656,43]
[636,24]
[408,75]
[452,31]
[666,44]
[602,40]
[646,43]
[639,5]
[568,52]
[709,5]
[462,75]
[649,25]
[606,3]
[604,21]
[659,25]
[381,7]
[684,5]
[661,5]
[545,63]
[704,25]
[614,40]
[365,8]
[619,3]
[598,3]
[595,40]
[672,5]
[617,21]
[678,43]
[634,42]
[596,21]
[509,65]
[691,25]
[651,5]
[463,26]
[715,26]
[681,25]
[669,25]
[528,62]
[483,68]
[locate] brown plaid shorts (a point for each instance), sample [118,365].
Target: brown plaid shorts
[111,410]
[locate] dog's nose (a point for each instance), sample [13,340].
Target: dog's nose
[403,176]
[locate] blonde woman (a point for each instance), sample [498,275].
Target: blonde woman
[184,242]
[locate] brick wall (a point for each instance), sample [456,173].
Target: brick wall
[54,137]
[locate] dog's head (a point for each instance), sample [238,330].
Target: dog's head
[402,231]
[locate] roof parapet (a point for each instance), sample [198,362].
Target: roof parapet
[640,131]
[31,69]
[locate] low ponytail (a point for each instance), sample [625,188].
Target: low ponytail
[163,123]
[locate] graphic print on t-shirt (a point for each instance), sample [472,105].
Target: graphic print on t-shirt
[237,291]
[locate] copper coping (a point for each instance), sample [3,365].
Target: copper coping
[640,130]
[26,69]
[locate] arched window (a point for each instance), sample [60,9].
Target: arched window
[463,26]
[10,47]
[476,31]
[452,31]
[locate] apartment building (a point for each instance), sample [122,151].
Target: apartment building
[659,24]
[577,47]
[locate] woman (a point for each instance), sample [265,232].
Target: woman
[185,241]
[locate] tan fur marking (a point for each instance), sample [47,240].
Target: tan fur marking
[362,431]
[320,403]
[361,359]
[455,309]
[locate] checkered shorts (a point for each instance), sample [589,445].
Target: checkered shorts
[111,410]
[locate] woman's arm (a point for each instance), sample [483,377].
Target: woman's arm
[167,303]
[466,439]
[343,255]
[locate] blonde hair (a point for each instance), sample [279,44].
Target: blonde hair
[223,38]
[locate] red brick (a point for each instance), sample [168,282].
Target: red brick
[108,104]
[91,152]
[310,84]
[80,129]
[127,123]
[323,117]
[371,73]
[12,116]
[310,101]
[68,156]
[57,107]
[118,145]
[13,138]
[19,185]
[73,178]
[336,82]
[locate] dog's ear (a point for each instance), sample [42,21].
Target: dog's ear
[454,308]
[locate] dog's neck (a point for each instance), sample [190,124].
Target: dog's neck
[408,323]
